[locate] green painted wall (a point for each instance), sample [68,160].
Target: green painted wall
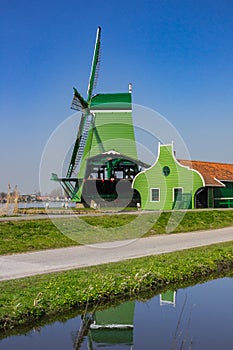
[112,128]
[111,101]
[179,177]
[224,192]
[210,197]
[114,131]
[223,196]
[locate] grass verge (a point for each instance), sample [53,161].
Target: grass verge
[21,236]
[28,300]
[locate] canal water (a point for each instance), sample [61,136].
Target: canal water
[198,317]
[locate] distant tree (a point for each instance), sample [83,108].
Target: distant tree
[57,192]
[3,195]
[37,193]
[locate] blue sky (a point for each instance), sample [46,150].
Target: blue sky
[178,54]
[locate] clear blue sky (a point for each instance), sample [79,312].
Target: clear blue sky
[177,53]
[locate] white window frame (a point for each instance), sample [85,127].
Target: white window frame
[151,194]
[173,193]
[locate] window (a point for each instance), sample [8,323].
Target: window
[166,170]
[177,194]
[155,194]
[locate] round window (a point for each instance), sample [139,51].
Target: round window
[166,170]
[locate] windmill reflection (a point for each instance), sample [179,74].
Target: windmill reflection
[107,327]
[113,326]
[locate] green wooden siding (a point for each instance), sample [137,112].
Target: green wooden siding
[158,176]
[111,101]
[223,196]
[210,197]
[226,191]
[112,130]
[116,135]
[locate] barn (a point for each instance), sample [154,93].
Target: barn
[218,184]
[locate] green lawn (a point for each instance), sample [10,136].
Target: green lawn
[22,236]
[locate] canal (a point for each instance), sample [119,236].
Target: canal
[198,317]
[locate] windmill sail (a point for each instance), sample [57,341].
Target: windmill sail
[87,125]
[80,104]
[79,146]
[94,67]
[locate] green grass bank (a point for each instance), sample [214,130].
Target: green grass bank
[31,235]
[37,298]
[29,300]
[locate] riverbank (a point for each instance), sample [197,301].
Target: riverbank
[28,300]
[33,299]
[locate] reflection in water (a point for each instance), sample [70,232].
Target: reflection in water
[113,326]
[79,336]
[199,317]
[168,298]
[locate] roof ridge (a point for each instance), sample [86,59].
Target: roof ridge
[204,161]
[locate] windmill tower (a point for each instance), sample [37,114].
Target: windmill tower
[104,152]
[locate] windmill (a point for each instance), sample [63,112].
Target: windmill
[105,145]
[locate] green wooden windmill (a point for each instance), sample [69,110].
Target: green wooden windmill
[104,152]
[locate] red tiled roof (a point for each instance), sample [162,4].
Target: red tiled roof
[213,173]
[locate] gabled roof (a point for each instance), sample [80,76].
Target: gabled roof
[112,154]
[213,173]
